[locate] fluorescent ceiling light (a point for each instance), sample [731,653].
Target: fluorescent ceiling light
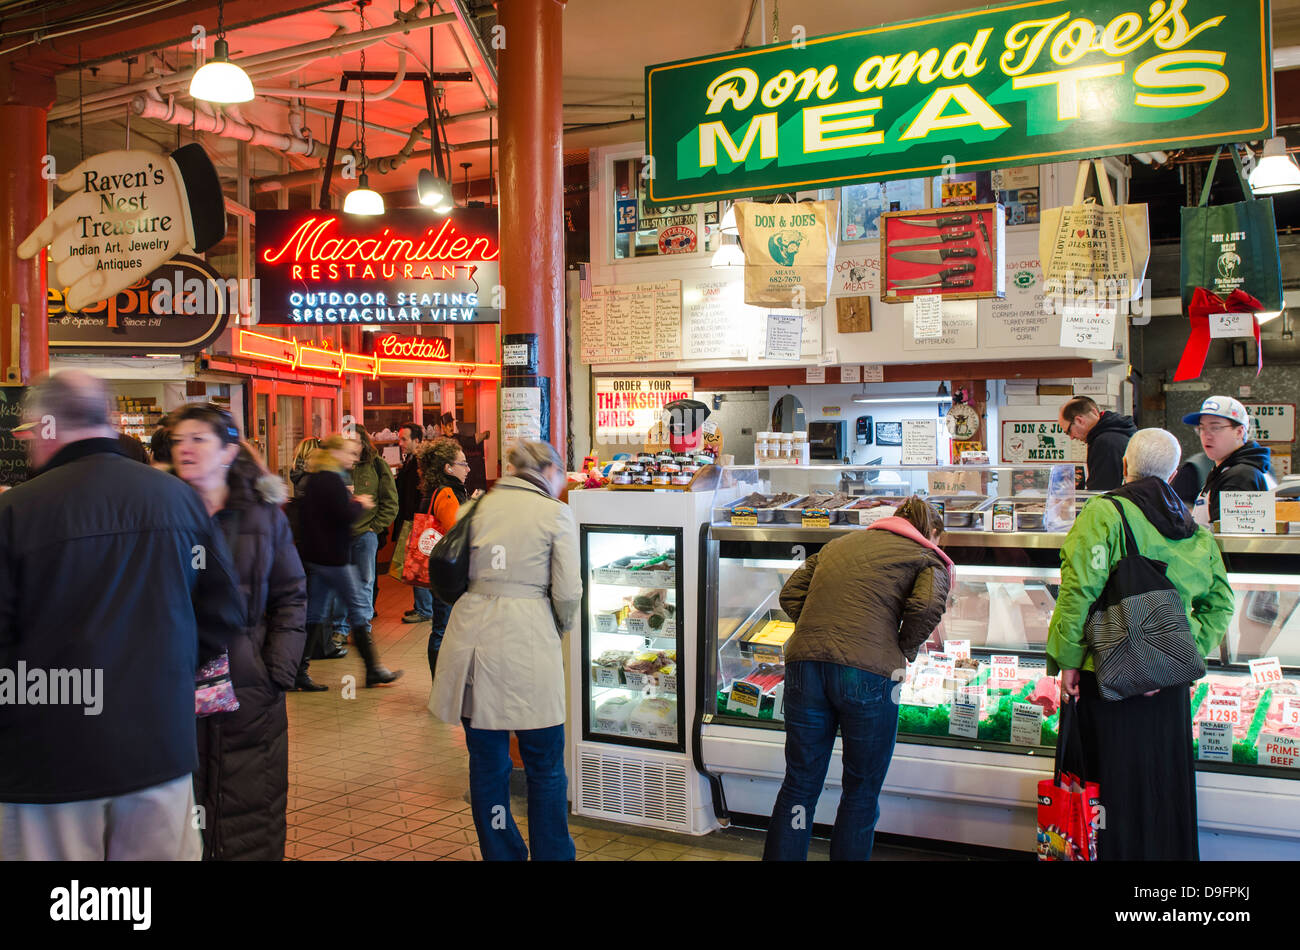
[220,80]
[864,399]
[361,200]
[1276,171]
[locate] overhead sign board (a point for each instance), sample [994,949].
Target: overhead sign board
[1019,84]
[326,268]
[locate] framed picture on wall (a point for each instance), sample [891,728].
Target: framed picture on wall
[889,433]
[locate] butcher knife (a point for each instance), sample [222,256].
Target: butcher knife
[950,221]
[933,239]
[937,256]
[937,278]
[948,283]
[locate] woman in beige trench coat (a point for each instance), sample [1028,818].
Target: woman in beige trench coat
[501,667]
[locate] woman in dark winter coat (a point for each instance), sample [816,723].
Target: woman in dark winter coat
[243,778]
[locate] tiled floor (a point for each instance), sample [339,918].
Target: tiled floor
[373,776]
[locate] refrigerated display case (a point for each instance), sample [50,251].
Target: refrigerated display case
[978,716]
[631,700]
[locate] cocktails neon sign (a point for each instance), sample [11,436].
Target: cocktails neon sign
[297,355]
[413,347]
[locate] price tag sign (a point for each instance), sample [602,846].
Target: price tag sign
[1005,667]
[1291,712]
[816,518]
[927,677]
[958,648]
[1231,324]
[1215,743]
[1247,512]
[635,680]
[744,517]
[746,698]
[1279,751]
[606,676]
[1266,671]
[964,720]
[638,625]
[1224,709]
[945,663]
[1026,724]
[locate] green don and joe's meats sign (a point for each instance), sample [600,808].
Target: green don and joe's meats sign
[1021,84]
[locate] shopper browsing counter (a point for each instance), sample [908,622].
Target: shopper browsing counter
[1106,433]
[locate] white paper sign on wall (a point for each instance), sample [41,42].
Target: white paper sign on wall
[783,337]
[850,374]
[920,443]
[1088,328]
[927,317]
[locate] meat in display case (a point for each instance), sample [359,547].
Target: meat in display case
[630,629]
[978,714]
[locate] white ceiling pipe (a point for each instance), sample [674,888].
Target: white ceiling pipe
[227,126]
[337,96]
[339,43]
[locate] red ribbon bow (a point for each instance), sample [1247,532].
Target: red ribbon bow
[1203,304]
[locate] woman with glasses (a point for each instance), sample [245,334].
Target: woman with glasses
[443,468]
[242,781]
[1240,463]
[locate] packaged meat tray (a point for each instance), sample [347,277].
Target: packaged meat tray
[793,513]
[607,669]
[654,718]
[864,511]
[765,506]
[612,715]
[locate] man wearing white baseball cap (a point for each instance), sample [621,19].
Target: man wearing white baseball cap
[1240,463]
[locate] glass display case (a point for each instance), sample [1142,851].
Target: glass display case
[631,635]
[980,681]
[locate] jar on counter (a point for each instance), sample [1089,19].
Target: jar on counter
[661,478]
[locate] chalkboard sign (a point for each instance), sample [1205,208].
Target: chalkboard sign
[13,452]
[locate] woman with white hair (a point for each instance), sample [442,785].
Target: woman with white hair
[501,665]
[1139,749]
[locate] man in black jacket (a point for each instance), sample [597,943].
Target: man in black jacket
[114,588]
[409,438]
[1106,433]
[1240,463]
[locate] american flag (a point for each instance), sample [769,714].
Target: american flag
[584,281]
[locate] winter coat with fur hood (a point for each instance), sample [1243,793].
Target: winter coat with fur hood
[243,778]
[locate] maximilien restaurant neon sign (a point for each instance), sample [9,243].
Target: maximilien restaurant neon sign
[407,266]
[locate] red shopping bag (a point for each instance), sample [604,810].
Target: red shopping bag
[425,533]
[1069,807]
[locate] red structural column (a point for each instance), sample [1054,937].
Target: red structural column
[24,101]
[532,189]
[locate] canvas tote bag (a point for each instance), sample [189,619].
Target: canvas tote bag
[1096,242]
[789,252]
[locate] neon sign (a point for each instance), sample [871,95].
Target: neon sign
[297,355]
[433,348]
[331,269]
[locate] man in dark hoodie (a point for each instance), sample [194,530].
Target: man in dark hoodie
[1106,433]
[1139,749]
[1240,463]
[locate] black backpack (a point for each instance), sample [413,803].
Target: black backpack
[1138,629]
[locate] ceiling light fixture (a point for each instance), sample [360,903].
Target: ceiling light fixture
[728,255]
[729,221]
[434,192]
[220,80]
[362,200]
[1276,172]
[863,399]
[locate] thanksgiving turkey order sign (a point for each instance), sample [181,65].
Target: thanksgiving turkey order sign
[410,266]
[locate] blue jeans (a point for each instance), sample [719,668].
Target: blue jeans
[820,697]
[364,549]
[441,614]
[489,789]
[341,580]
[423,598]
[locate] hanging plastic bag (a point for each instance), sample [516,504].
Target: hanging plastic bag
[1058,514]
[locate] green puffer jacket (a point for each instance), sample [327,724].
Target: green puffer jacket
[375,478]
[1164,533]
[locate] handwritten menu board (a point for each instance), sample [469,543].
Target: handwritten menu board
[632,323]
[715,319]
[13,452]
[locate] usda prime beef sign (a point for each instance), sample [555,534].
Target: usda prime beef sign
[1013,85]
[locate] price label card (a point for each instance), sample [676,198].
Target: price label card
[744,517]
[1266,671]
[958,648]
[1231,324]
[1279,751]
[1223,709]
[1215,743]
[1291,712]
[1026,724]
[816,518]
[746,698]
[638,625]
[815,374]
[609,725]
[606,676]
[1005,667]
[971,694]
[945,663]
[637,729]
[635,680]
[927,677]
[964,720]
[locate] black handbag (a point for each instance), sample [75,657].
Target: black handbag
[1138,629]
[449,560]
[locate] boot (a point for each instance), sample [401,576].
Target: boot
[323,643]
[305,684]
[376,673]
[302,681]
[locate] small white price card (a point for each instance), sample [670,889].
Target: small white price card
[815,374]
[927,317]
[1215,742]
[1266,671]
[1247,512]
[1231,324]
[873,373]
[1223,709]
[746,698]
[1291,712]
[945,663]
[1279,751]
[606,676]
[958,648]
[1088,328]
[964,720]
[1004,667]
[850,374]
[1026,724]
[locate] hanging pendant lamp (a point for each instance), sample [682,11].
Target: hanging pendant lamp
[362,200]
[220,80]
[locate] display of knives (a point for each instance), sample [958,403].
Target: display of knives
[933,239]
[950,283]
[937,256]
[938,278]
[948,222]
